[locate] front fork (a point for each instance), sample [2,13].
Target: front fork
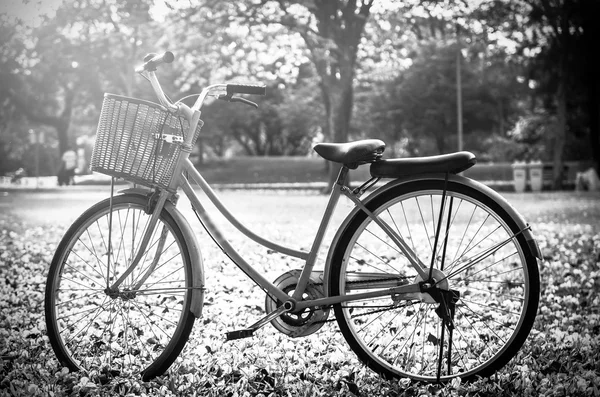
[156,203]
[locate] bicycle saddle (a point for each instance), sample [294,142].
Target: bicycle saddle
[351,154]
[396,168]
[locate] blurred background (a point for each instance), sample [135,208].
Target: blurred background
[508,80]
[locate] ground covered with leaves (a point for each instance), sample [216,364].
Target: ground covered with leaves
[560,358]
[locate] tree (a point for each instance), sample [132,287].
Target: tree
[13,128]
[420,104]
[88,47]
[590,9]
[332,31]
[281,125]
[552,20]
[413,105]
[555,39]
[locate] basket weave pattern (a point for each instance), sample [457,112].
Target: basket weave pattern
[128,143]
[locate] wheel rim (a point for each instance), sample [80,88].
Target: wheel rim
[404,336]
[123,332]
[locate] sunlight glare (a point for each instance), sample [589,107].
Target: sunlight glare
[29,13]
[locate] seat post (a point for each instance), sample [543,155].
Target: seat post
[343,175]
[334,198]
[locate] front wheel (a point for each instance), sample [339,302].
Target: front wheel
[139,328]
[481,260]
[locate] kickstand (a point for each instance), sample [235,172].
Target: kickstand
[446,311]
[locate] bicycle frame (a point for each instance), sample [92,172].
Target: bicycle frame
[185,167]
[398,314]
[310,257]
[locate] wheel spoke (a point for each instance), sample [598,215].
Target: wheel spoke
[424,227]
[96,329]
[474,253]
[412,240]
[480,257]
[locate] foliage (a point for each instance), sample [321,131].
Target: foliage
[420,104]
[554,39]
[56,73]
[361,68]
[332,32]
[282,125]
[561,356]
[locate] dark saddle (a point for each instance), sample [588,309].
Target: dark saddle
[353,154]
[452,163]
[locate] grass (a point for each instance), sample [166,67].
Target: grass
[561,356]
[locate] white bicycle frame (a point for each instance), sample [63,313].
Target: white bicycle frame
[185,167]
[381,281]
[309,257]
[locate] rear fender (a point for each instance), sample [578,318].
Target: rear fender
[454,178]
[194,250]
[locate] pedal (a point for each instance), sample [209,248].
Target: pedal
[239,334]
[248,332]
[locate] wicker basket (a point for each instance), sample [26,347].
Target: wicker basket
[139,141]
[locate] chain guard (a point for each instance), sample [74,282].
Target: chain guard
[307,321]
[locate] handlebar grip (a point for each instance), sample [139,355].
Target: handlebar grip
[246,89]
[152,60]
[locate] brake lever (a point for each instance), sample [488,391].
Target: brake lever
[229,98]
[244,101]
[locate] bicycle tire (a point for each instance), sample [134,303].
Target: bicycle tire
[130,332]
[498,296]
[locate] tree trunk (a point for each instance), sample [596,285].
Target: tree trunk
[63,122]
[559,136]
[591,36]
[339,118]
[62,131]
[594,115]
[501,125]
[560,132]
[333,52]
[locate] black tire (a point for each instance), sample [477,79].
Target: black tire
[130,332]
[400,337]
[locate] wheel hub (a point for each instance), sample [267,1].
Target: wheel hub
[438,280]
[116,293]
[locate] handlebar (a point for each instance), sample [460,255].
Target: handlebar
[246,89]
[220,91]
[152,60]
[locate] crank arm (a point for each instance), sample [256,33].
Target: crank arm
[249,331]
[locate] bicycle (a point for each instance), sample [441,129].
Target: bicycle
[431,276]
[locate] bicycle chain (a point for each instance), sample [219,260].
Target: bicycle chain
[362,314]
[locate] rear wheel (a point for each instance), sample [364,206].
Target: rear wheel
[142,327]
[480,254]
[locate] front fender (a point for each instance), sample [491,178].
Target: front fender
[192,244]
[454,178]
